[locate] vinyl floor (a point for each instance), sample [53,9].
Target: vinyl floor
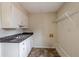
[43,52]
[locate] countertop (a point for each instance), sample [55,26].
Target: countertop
[17,38]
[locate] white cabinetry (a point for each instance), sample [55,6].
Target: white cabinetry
[21,17]
[29,42]
[25,21]
[0,49]
[7,20]
[25,47]
[12,16]
[22,49]
[17,49]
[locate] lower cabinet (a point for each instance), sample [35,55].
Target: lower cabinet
[0,49]
[23,49]
[17,49]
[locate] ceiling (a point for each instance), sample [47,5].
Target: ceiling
[41,7]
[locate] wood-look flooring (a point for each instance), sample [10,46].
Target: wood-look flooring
[44,52]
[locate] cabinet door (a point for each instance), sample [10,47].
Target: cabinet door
[22,49]
[9,50]
[25,21]
[29,45]
[7,16]
[31,42]
[0,15]
[0,50]
[17,15]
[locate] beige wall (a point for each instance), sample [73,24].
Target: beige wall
[42,26]
[68,31]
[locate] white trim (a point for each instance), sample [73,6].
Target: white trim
[62,52]
[43,47]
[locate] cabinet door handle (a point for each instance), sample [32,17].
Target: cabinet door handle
[21,26]
[23,49]
[23,43]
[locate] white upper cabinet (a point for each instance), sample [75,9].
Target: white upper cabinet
[22,18]
[7,21]
[12,16]
[0,16]
[25,21]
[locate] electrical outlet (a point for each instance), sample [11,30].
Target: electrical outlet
[51,35]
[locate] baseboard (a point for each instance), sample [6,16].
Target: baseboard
[62,52]
[43,47]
